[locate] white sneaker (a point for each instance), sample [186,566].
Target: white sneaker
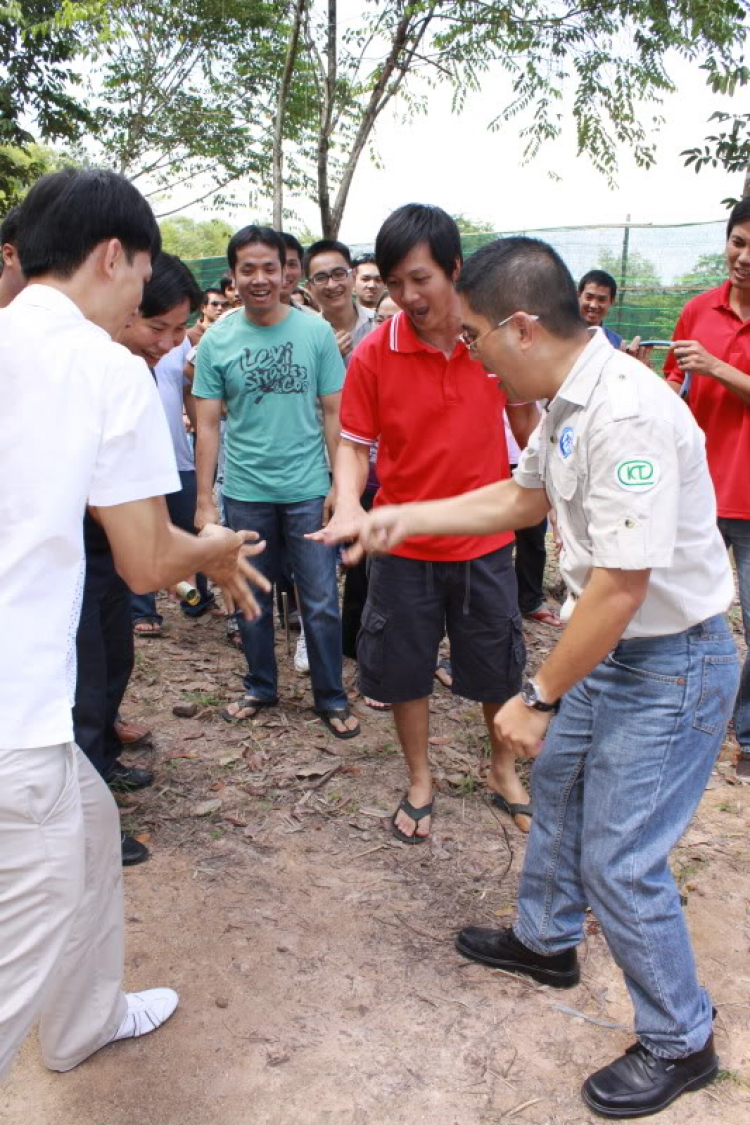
[146,1011]
[301,663]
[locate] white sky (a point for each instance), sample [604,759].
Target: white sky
[456,162]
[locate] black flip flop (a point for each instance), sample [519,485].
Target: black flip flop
[328,714]
[247,701]
[416,815]
[511,809]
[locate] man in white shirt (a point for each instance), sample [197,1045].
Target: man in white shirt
[635,698]
[82,426]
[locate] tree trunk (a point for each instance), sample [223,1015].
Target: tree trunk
[746,185]
[278,132]
[326,122]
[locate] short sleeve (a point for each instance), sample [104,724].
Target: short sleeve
[208,381]
[631,499]
[527,473]
[360,419]
[135,460]
[330,373]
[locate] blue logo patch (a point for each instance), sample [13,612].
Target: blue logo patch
[566,441]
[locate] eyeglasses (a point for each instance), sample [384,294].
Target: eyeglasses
[218,304]
[322,278]
[472,341]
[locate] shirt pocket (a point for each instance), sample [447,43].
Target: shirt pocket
[564,477]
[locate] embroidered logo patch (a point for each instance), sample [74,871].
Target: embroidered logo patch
[566,441]
[637,474]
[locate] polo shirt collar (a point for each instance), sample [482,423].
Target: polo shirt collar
[721,298]
[584,375]
[404,339]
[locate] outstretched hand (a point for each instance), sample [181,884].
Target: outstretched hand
[375,532]
[232,572]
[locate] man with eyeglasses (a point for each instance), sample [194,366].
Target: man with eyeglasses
[328,264]
[414,388]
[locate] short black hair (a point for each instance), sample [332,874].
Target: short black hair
[294,245]
[226,282]
[521,274]
[170,284]
[9,227]
[411,225]
[207,293]
[249,235]
[327,246]
[68,213]
[364,260]
[740,213]
[598,277]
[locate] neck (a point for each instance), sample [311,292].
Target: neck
[7,290]
[91,299]
[343,319]
[267,318]
[739,300]
[444,335]
[558,360]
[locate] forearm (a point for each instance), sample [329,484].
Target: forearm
[350,470]
[503,506]
[331,434]
[206,458]
[602,613]
[733,379]
[173,557]
[189,403]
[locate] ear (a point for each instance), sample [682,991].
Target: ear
[527,327]
[112,256]
[456,270]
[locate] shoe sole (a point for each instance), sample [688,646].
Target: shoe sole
[695,1084]
[541,976]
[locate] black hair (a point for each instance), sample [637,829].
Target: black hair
[207,293]
[171,283]
[226,282]
[598,277]
[67,214]
[293,244]
[411,225]
[364,260]
[520,274]
[381,298]
[327,246]
[740,213]
[252,234]
[9,227]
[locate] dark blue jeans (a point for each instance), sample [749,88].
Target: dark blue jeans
[314,570]
[181,506]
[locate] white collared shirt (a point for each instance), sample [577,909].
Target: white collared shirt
[624,466]
[82,423]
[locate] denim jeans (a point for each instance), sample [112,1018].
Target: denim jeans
[624,765]
[314,570]
[181,506]
[737,536]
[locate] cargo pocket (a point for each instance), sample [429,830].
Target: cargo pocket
[718,691]
[371,643]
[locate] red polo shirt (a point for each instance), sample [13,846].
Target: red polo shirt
[722,416]
[439,427]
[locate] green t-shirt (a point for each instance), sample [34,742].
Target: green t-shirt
[270,380]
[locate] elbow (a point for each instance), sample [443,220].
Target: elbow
[138,576]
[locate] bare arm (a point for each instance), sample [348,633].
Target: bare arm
[692,356]
[208,418]
[523,419]
[150,553]
[189,404]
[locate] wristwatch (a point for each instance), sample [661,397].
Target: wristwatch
[531,696]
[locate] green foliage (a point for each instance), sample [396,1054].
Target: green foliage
[190,239]
[709,271]
[20,167]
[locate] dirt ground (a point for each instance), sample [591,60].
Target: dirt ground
[313,952]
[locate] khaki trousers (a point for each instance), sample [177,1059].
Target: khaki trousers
[61,907]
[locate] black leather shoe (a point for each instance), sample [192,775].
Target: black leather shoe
[502,950]
[129,777]
[639,1083]
[133,851]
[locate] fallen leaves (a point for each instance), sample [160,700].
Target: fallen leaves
[205,808]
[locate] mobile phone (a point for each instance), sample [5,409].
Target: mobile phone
[656,343]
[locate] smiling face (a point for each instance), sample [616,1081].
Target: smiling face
[738,257]
[595,301]
[368,284]
[258,276]
[334,294]
[419,287]
[151,338]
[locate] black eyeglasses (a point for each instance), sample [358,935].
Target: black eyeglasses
[322,278]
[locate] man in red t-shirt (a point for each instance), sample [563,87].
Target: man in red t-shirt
[712,347]
[414,388]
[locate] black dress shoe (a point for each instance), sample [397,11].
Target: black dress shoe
[639,1083]
[133,851]
[502,950]
[129,777]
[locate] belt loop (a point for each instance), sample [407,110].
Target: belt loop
[467,595]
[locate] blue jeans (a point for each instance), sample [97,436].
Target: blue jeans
[181,506]
[314,570]
[737,536]
[624,765]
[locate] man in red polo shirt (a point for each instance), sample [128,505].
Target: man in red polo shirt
[413,387]
[712,346]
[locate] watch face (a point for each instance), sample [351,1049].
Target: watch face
[529,695]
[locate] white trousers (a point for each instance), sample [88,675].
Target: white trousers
[61,906]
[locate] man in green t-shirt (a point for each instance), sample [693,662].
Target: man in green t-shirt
[272,365]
